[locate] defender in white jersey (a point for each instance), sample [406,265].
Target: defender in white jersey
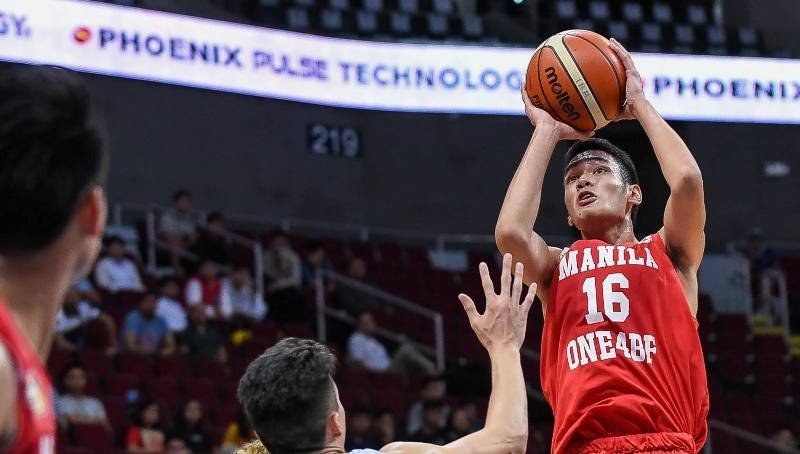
[293,403]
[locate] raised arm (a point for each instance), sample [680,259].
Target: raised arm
[514,230]
[501,330]
[685,213]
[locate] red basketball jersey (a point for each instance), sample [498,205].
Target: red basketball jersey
[36,425]
[620,350]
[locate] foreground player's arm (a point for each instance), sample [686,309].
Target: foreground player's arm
[514,230]
[8,405]
[685,213]
[501,329]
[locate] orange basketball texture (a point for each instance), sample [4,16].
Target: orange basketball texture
[576,77]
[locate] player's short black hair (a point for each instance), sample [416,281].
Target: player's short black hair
[629,173]
[51,153]
[288,393]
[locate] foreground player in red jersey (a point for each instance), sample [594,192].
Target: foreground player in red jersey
[621,362]
[52,215]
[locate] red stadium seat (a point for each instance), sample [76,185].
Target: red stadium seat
[73,450]
[116,413]
[93,436]
[265,332]
[164,389]
[120,384]
[173,366]
[96,361]
[223,413]
[201,389]
[135,363]
[57,360]
[213,370]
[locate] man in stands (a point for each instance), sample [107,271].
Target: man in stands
[116,272]
[75,318]
[147,333]
[52,167]
[366,351]
[292,401]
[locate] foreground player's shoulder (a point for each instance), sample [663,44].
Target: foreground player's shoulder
[8,405]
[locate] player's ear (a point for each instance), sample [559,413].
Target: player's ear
[635,194]
[335,425]
[92,212]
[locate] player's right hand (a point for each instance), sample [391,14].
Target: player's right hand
[505,320]
[541,120]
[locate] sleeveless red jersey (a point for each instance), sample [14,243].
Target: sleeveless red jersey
[620,350]
[36,425]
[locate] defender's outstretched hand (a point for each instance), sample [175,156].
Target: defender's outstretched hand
[505,319]
[634,92]
[541,120]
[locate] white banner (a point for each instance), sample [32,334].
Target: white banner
[148,45]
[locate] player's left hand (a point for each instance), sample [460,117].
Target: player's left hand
[505,320]
[634,92]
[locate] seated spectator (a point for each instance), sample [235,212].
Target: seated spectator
[359,430]
[145,436]
[283,271]
[351,299]
[115,271]
[87,292]
[75,407]
[204,289]
[189,427]
[431,430]
[365,351]
[147,333]
[168,307]
[73,320]
[767,280]
[201,341]
[239,300]
[435,388]
[316,261]
[177,445]
[213,242]
[459,425]
[384,428]
[238,433]
[178,227]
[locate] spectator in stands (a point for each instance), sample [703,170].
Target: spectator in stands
[73,322]
[435,388]
[75,407]
[459,425]
[201,341]
[115,271]
[147,333]
[177,445]
[178,226]
[785,438]
[767,280]
[359,430]
[213,242]
[283,271]
[145,436]
[238,433]
[190,427]
[384,428]
[168,307]
[316,261]
[239,300]
[351,299]
[87,292]
[431,430]
[204,289]
[365,351]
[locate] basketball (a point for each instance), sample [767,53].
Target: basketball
[578,79]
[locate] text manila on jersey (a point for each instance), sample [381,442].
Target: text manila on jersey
[36,426]
[620,350]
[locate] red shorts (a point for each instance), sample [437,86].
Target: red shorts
[652,443]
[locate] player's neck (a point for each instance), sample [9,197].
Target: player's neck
[619,233]
[34,289]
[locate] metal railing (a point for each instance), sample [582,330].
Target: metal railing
[323,311]
[154,243]
[747,436]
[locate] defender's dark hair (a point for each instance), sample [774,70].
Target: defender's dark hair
[288,393]
[629,174]
[51,153]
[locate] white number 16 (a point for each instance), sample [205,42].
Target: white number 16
[615,303]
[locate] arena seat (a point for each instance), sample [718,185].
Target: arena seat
[92,436]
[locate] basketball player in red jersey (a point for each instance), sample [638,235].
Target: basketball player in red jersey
[621,362]
[52,215]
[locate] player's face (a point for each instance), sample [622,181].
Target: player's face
[594,191]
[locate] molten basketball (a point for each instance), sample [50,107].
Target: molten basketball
[578,79]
